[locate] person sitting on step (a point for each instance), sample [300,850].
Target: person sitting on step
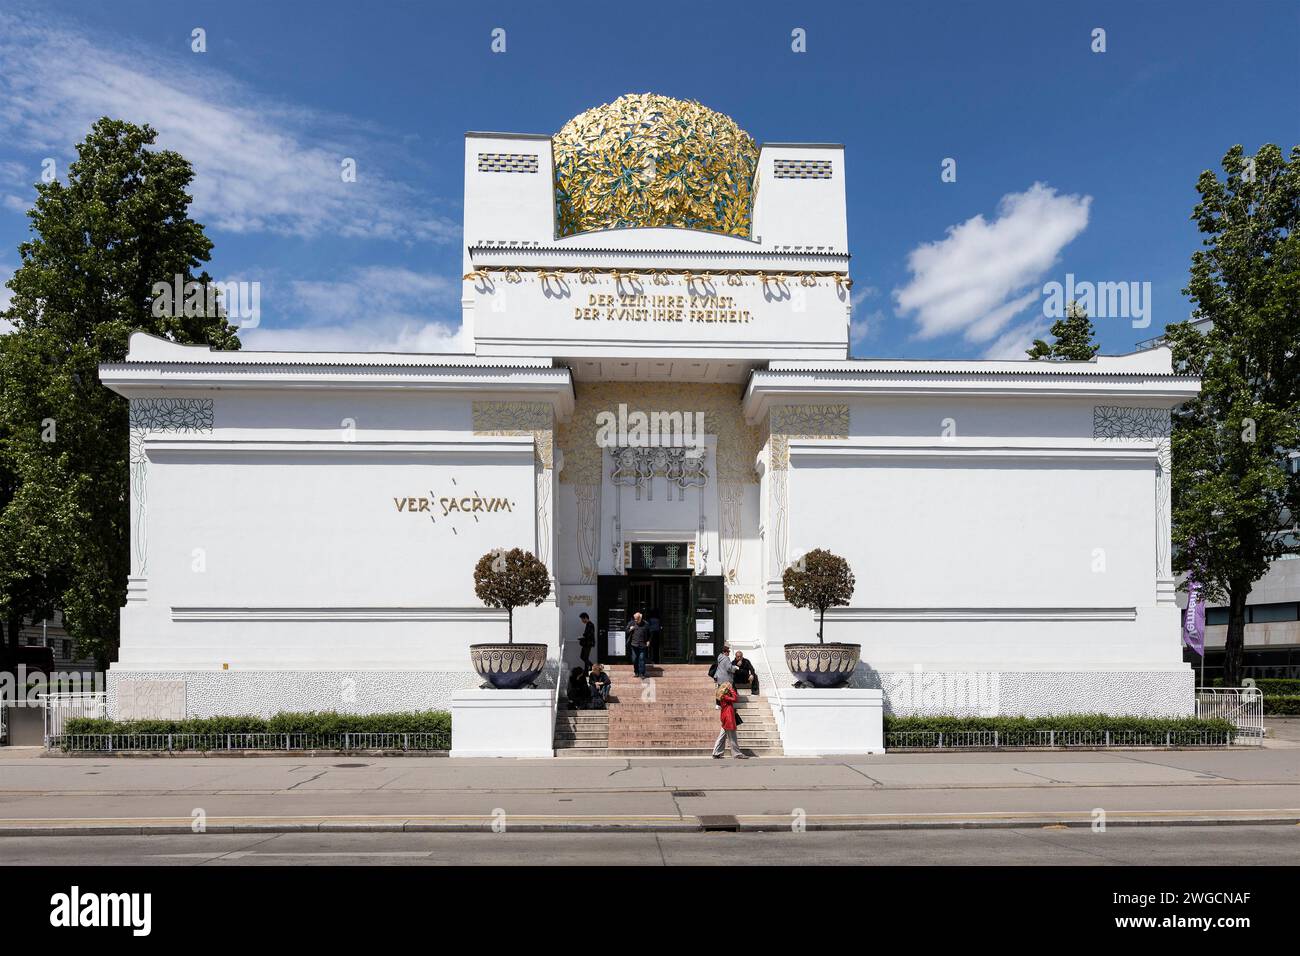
[600,686]
[579,692]
[745,675]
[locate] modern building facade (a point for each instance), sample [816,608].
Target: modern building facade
[658,402]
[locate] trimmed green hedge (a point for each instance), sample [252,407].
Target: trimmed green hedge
[1182,728]
[1282,705]
[311,722]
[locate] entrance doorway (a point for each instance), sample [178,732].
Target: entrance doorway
[689,609]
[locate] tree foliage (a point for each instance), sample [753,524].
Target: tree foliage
[819,580]
[1233,493]
[1073,338]
[84,283]
[511,579]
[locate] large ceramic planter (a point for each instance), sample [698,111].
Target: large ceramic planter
[508,666]
[822,665]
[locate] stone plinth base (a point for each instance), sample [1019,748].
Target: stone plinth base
[842,720]
[502,723]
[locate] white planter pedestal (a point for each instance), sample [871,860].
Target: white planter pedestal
[502,723]
[842,720]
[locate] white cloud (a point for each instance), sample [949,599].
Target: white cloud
[373,309]
[260,166]
[864,323]
[363,335]
[983,274]
[1013,343]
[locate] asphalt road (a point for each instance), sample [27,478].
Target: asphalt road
[1126,846]
[295,792]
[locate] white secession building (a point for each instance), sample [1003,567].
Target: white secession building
[304,525]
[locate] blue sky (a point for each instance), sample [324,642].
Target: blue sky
[1068,161]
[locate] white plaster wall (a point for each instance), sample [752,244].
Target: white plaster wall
[801,212]
[323,530]
[970,533]
[515,206]
[1018,552]
[282,575]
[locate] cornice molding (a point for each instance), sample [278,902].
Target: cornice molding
[1138,452]
[339,614]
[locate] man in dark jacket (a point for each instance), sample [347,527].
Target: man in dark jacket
[638,639]
[745,675]
[588,639]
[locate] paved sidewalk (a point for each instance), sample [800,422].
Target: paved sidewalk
[98,794]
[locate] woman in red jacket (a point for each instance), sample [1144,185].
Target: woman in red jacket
[726,700]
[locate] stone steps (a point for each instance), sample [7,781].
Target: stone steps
[679,720]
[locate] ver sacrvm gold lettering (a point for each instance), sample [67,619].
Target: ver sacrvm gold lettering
[466,503]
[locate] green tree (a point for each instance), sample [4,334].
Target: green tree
[84,283]
[1233,493]
[1073,338]
[511,579]
[819,580]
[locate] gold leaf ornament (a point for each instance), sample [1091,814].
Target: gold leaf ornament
[650,160]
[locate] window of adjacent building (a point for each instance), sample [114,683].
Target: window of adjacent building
[1256,614]
[1267,613]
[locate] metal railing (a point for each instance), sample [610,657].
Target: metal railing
[1050,739]
[61,707]
[422,742]
[1243,707]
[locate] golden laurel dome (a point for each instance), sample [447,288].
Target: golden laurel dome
[651,160]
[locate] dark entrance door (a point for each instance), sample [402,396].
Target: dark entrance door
[689,609]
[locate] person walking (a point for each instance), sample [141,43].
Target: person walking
[726,698]
[638,640]
[724,671]
[587,641]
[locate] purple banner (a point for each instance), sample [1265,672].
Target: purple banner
[1194,620]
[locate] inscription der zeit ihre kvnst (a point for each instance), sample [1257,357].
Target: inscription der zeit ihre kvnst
[606,307]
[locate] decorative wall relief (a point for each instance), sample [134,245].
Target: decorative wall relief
[731,501]
[151,699]
[518,418]
[804,421]
[145,417]
[788,422]
[738,443]
[638,467]
[588,532]
[1124,423]
[526,418]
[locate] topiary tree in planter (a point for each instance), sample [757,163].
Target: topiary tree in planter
[507,580]
[511,579]
[820,580]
